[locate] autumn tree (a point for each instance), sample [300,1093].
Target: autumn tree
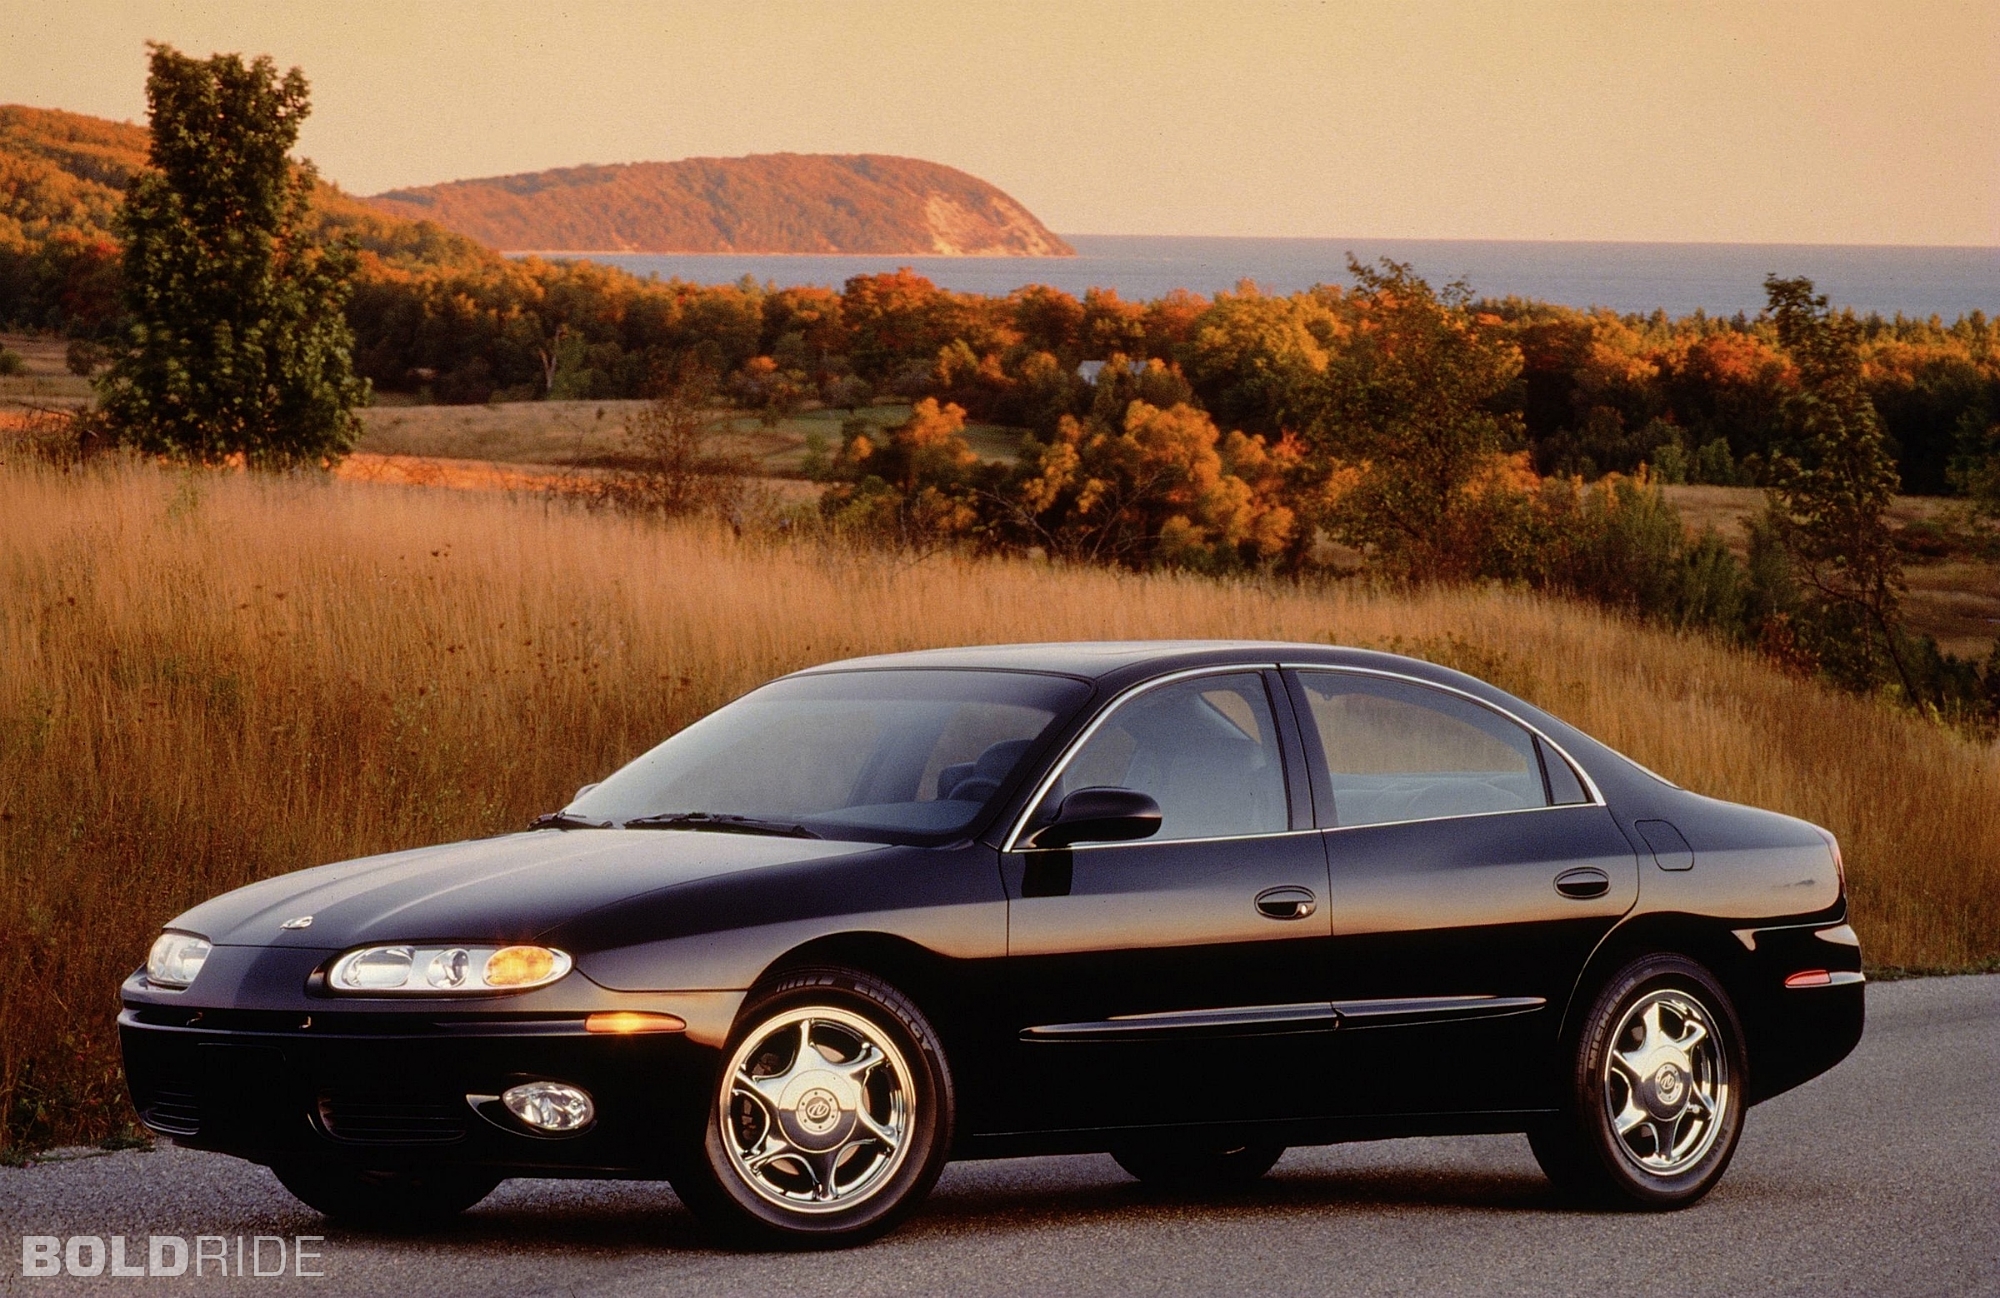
[1048,319]
[916,485]
[1160,487]
[1830,488]
[896,322]
[1111,324]
[1410,405]
[1258,360]
[237,343]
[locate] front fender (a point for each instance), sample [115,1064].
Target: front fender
[724,933]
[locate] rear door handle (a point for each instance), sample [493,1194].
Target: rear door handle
[1583,884]
[1288,902]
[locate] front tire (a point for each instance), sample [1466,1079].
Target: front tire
[1654,1095]
[831,1119]
[405,1200]
[1179,1167]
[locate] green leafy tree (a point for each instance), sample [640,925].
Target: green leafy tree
[237,343]
[1976,470]
[1830,488]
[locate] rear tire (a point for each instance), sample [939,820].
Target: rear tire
[1180,1168]
[1653,1096]
[830,1120]
[404,1200]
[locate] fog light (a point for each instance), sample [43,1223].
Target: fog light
[550,1106]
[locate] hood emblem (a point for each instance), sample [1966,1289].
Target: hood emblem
[303,921]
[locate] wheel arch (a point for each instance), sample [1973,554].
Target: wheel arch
[888,956]
[911,968]
[1707,942]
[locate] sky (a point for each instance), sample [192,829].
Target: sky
[1823,122]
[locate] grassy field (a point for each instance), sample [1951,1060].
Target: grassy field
[1954,594]
[211,678]
[47,380]
[569,433]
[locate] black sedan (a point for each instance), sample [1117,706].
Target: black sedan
[1187,903]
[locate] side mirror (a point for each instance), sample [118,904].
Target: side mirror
[585,789]
[1100,815]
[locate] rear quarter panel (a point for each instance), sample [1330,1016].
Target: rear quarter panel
[1748,864]
[1764,899]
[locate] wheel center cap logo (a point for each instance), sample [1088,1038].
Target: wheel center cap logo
[817,1111]
[1668,1084]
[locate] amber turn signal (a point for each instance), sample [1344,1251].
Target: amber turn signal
[626,1021]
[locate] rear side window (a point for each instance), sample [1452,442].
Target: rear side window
[1396,751]
[1564,788]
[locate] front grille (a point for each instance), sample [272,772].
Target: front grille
[177,1113]
[375,1119]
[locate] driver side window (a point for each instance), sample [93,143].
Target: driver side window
[1206,749]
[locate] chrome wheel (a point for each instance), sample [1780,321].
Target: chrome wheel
[1666,1083]
[816,1109]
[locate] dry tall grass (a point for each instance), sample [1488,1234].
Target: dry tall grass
[207,679]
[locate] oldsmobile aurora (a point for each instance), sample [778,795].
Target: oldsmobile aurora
[1187,903]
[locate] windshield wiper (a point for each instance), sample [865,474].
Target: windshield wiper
[563,820]
[721,823]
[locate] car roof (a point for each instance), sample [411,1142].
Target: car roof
[1114,665]
[1097,659]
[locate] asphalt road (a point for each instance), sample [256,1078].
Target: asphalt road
[1881,1178]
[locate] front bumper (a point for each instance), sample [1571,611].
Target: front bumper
[385,1085]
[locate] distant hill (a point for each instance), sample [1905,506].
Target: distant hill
[63,170]
[765,203]
[67,172]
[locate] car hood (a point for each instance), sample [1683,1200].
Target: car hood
[508,889]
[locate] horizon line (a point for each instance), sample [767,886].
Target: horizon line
[1269,238]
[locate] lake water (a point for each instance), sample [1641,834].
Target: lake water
[1720,278]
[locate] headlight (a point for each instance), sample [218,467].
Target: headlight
[175,959]
[445,970]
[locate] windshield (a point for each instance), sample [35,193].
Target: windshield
[874,756]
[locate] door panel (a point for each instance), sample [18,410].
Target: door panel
[1445,910]
[1157,984]
[1469,881]
[1180,978]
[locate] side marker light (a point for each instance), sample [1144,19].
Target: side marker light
[626,1022]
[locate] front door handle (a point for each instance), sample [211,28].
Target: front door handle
[1583,884]
[1286,903]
